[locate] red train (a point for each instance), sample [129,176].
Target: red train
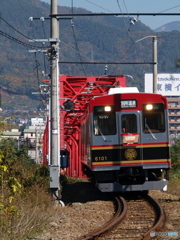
[125,141]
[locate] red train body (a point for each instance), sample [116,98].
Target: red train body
[125,142]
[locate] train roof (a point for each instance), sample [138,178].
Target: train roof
[123,90]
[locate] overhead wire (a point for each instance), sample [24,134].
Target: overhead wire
[131,21]
[36,73]
[45,36]
[17,40]
[37,63]
[169,9]
[43,98]
[77,47]
[21,43]
[133,42]
[16,30]
[98,6]
[127,29]
[122,16]
[111,11]
[28,45]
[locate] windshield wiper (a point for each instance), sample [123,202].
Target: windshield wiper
[102,135]
[146,125]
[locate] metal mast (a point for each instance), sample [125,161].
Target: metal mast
[54,105]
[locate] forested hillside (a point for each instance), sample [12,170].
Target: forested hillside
[168,27]
[103,39]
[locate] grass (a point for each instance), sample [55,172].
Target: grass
[31,211]
[174,183]
[29,215]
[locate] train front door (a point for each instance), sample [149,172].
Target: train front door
[130,140]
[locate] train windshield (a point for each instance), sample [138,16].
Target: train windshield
[153,118]
[104,120]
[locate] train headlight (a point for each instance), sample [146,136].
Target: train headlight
[149,107]
[107,108]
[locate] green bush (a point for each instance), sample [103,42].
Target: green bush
[24,200]
[175,158]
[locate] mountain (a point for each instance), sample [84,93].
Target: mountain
[172,26]
[82,39]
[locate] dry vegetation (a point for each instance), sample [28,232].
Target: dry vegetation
[24,199]
[28,215]
[27,212]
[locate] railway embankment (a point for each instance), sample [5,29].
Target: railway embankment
[87,208]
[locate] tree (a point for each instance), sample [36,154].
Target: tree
[175,155]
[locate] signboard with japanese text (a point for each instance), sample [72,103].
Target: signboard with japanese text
[129,103]
[168,84]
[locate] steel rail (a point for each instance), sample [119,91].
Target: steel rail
[159,221]
[117,218]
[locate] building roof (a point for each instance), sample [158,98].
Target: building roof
[11,134]
[29,130]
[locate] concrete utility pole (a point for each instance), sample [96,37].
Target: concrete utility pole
[54,104]
[154,64]
[154,61]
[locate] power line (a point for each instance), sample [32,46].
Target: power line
[36,73]
[112,14]
[97,5]
[170,8]
[77,47]
[16,40]
[95,63]
[20,42]
[122,16]
[14,28]
[72,25]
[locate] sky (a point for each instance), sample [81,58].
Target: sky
[131,6]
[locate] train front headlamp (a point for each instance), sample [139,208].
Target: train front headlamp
[149,107]
[107,108]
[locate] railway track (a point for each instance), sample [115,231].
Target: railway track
[121,210]
[134,219]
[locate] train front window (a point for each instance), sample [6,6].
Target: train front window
[129,123]
[153,118]
[104,120]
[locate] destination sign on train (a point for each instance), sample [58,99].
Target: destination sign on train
[131,103]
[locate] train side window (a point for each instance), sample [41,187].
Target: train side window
[104,122]
[153,118]
[129,123]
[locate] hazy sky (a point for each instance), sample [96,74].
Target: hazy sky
[131,6]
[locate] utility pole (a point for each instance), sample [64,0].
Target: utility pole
[154,64]
[154,61]
[54,146]
[36,147]
[54,104]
